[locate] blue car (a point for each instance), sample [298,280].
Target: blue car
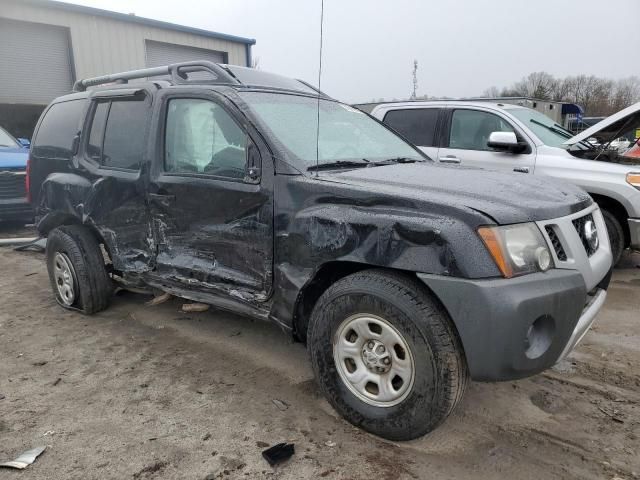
[14,205]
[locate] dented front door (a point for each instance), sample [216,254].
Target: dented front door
[212,219]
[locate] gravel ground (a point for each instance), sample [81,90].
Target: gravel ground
[151,392]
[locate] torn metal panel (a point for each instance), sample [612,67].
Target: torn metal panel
[114,206]
[25,459]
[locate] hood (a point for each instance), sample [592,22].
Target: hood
[616,124]
[503,197]
[13,158]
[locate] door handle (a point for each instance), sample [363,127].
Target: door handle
[521,169]
[162,198]
[449,159]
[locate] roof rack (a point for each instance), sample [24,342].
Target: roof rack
[177,71]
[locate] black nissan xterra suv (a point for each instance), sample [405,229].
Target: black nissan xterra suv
[404,278]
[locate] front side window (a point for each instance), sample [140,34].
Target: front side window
[418,125]
[470,129]
[7,140]
[59,126]
[345,134]
[117,133]
[201,137]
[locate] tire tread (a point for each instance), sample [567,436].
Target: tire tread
[83,250]
[448,348]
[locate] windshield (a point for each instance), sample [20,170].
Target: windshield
[549,132]
[7,140]
[346,134]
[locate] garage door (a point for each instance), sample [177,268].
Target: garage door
[35,62]
[159,54]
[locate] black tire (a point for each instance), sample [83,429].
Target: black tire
[441,373]
[616,235]
[93,287]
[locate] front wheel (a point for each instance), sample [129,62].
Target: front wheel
[386,354]
[616,235]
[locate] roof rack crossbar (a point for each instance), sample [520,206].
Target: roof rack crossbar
[177,71]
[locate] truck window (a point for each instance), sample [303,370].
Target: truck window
[418,125]
[94,148]
[124,134]
[470,129]
[117,133]
[201,137]
[59,126]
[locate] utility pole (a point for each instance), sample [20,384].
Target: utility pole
[415,79]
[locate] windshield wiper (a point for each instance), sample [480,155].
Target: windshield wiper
[339,164]
[399,160]
[559,131]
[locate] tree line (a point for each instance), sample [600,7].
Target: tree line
[598,96]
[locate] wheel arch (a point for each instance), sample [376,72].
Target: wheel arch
[56,219]
[331,272]
[617,210]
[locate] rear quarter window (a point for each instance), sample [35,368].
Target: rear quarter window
[418,125]
[59,126]
[117,134]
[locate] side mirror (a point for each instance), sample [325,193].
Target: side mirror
[505,142]
[25,142]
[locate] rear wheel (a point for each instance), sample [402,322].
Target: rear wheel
[77,270]
[386,354]
[616,235]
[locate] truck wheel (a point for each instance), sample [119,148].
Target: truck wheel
[616,235]
[77,270]
[386,354]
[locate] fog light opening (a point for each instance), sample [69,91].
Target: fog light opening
[539,336]
[543,257]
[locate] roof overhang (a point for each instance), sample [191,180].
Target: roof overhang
[123,17]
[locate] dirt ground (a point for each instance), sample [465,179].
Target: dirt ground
[150,392]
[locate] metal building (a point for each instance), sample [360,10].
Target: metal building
[46,45]
[560,112]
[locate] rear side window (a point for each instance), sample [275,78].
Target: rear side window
[59,126]
[418,125]
[118,132]
[94,148]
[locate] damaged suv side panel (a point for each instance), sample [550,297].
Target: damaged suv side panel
[321,223]
[213,228]
[111,200]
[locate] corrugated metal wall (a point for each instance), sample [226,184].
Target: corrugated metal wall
[160,53]
[103,45]
[36,63]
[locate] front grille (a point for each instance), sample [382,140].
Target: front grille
[557,244]
[579,224]
[12,185]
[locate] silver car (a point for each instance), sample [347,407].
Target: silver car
[517,139]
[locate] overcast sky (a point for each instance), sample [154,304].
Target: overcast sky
[462,46]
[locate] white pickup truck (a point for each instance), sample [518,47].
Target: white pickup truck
[517,139]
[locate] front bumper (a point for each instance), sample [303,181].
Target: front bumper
[13,209]
[591,309]
[634,230]
[514,328]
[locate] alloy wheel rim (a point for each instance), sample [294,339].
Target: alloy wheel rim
[65,278]
[373,360]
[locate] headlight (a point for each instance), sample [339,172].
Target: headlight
[517,249]
[633,179]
